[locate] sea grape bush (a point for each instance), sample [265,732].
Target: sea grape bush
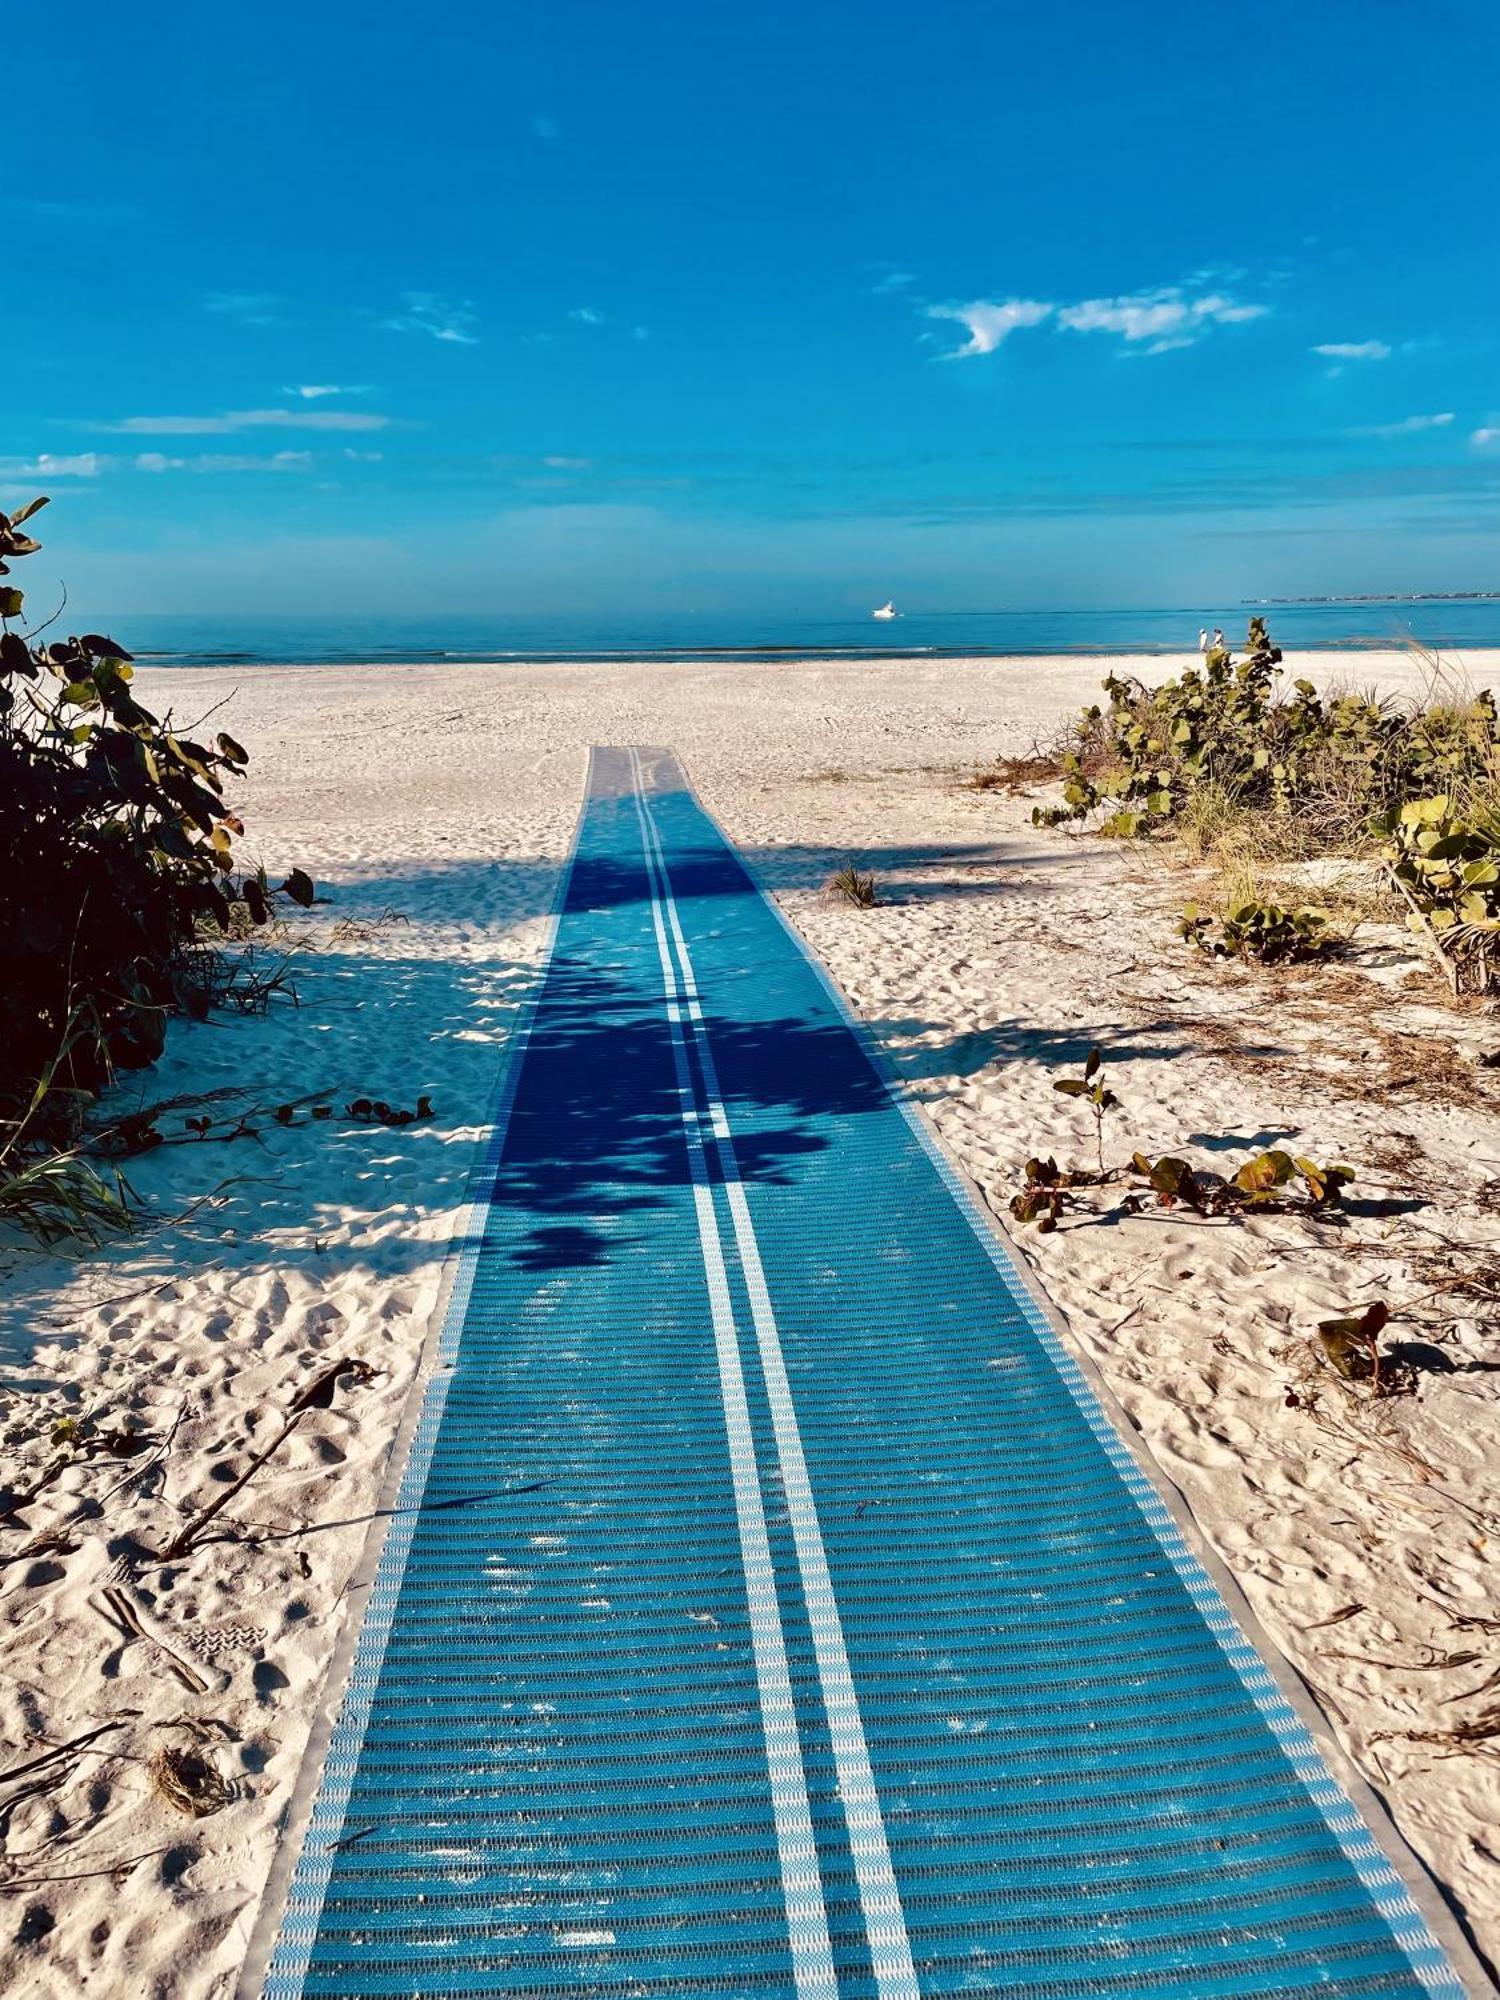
[1145,752]
[116,869]
[1334,766]
[1259,930]
[1445,857]
[1222,748]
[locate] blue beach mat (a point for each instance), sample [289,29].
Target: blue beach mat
[769,1608]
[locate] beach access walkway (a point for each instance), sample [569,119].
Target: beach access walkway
[770,1607]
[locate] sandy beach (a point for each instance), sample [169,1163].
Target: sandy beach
[433,806]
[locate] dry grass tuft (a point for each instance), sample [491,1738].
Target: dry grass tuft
[188,1782]
[1013,775]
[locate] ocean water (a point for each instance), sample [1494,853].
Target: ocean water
[1450,625]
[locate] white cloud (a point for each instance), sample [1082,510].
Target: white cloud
[1167,317]
[311,391]
[230,421]
[247,308]
[444,319]
[1406,426]
[893,280]
[364,457]
[80,465]
[588,315]
[988,323]
[218,461]
[1354,350]
[561,464]
[1487,436]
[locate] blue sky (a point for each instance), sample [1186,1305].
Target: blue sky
[455,307]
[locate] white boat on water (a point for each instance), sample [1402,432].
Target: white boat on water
[886,610]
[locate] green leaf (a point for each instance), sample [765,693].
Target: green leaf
[98,645]
[1095,1058]
[1070,1086]
[1360,1326]
[1425,812]
[11,602]
[1265,1172]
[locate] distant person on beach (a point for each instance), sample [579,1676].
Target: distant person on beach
[1203,639]
[1218,645]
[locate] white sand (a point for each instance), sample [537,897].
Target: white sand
[1364,1536]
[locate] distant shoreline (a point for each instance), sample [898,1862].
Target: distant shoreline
[1411,597]
[205,661]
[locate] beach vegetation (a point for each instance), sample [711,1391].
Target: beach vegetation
[1443,852]
[118,890]
[1092,1088]
[1277,1180]
[1262,930]
[1351,1342]
[855,885]
[1233,766]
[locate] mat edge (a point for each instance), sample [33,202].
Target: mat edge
[433,1356]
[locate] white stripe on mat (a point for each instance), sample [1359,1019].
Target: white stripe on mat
[802,1887]
[880,1899]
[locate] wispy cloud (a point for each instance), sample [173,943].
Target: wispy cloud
[80,465]
[989,322]
[232,421]
[90,464]
[588,315]
[247,308]
[560,464]
[311,391]
[1353,350]
[1486,437]
[1405,426]
[221,461]
[892,279]
[1166,317]
[442,319]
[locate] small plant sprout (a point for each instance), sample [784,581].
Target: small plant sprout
[1041,1200]
[1352,1343]
[854,885]
[1100,1097]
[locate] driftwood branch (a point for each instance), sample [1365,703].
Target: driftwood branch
[318,1395]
